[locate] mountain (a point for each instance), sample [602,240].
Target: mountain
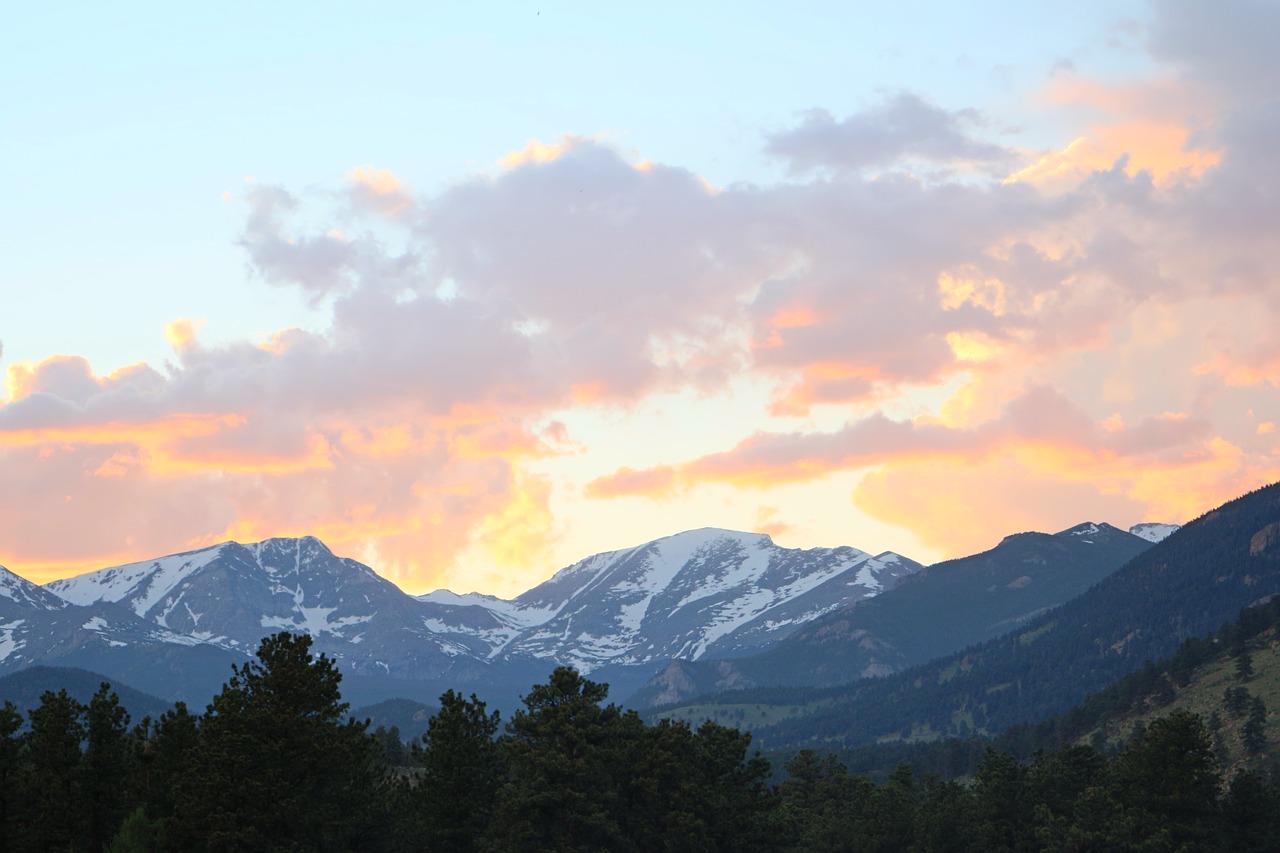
[934,612]
[1185,586]
[24,688]
[232,595]
[39,627]
[621,612]
[1154,532]
[698,593]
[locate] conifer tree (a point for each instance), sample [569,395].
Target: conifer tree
[52,813]
[276,768]
[1168,783]
[1254,733]
[1251,813]
[10,723]
[107,766]
[449,803]
[562,750]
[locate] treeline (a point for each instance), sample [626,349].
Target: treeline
[1154,687]
[275,764]
[1157,684]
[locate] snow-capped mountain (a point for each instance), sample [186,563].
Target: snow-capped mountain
[682,596]
[1153,531]
[700,592]
[232,595]
[934,612]
[37,626]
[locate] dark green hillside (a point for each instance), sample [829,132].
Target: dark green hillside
[1230,680]
[408,717]
[1187,586]
[24,688]
[935,612]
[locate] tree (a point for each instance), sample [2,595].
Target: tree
[1251,812]
[822,803]
[52,808]
[449,803]
[275,768]
[1236,700]
[1244,667]
[1168,783]
[107,765]
[166,749]
[1254,734]
[10,723]
[1003,817]
[563,751]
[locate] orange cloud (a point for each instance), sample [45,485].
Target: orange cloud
[536,151]
[378,190]
[652,482]
[1166,467]
[1145,125]
[1161,150]
[181,333]
[768,520]
[152,434]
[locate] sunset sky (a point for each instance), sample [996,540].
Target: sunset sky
[471,291]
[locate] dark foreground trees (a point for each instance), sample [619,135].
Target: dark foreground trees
[275,764]
[275,767]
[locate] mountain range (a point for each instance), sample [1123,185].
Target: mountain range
[934,612]
[1186,586]
[620,614]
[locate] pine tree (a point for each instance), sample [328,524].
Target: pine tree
[1254,733]
[1251,812]
[565,755]
[449,803]
[1003,818]
[10,723]
[166,749]
[275,768]
[52,812]
[1168,783]
[1244,667]
[107,766]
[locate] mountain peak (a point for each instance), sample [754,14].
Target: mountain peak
[1154,531]
[23,593]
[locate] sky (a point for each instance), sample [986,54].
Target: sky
[472,291]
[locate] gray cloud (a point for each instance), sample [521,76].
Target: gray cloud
[900,129]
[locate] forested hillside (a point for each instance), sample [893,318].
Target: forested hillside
[1186,586]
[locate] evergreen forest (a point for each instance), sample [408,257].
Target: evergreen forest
[275,763]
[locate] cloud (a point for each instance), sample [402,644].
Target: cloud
[654,482]
[964,509]
[378,191]
[900,129]
[1091,331]
[1229,45]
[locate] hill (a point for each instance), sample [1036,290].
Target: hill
[25,687]
[928,614]
[1186,586]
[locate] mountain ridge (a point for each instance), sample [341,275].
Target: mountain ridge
[619,611]
[935,611]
